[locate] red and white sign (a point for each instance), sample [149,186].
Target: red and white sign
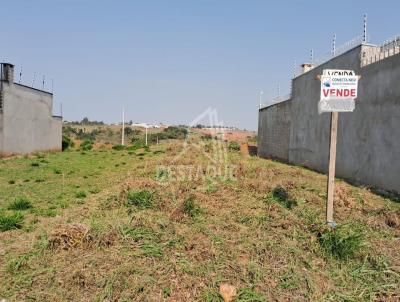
[338,91]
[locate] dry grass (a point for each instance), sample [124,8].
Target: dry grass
[108,250]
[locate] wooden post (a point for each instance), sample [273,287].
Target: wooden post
[332,164]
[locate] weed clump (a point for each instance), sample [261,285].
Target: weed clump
[234,146]
[20,204]
[67,142]
[281,196]
[342,242]
[248,294]
[11,222]
[118,147]
[139,234]
[35,164]
[152,250]
[162,174]
[80,194]
[141,199]
[87,145]
[190,208]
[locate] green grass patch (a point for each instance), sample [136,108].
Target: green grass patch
[342,242]
[20,204]
[249,295]
[86,145]
[139,234]
[11,222]
[152,250]
[118,147]
[234,146]
[80,194]
[189,207]
[142,199]
[281,196]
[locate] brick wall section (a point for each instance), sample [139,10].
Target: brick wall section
[274,131]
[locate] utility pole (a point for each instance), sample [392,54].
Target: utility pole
[123,127]
[261,93]
[146,135]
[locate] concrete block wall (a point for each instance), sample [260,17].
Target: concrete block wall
[274,131]
[27,122]
[368,138]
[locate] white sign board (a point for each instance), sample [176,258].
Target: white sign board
[339,88]
[334,72]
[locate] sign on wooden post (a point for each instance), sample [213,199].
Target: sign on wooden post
[339,89]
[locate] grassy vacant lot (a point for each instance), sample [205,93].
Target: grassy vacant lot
[100,226]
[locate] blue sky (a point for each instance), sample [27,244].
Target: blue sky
[168,61]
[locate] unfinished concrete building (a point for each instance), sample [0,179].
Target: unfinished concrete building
[368,138]
[27,124]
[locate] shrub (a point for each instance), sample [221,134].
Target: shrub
[20,204]
[206,137]
[35,164]
[86,145]
[190,208]
[80,194]
[234,146]
[174,133]
[342,242]
[141,199]
[57,171]
[67,142]
[11,182]
[118,147]
[11,222]
[136,145]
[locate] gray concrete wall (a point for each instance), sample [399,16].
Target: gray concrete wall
[368,138]
[274,131]
[1,132]
[28,124]
[309,138]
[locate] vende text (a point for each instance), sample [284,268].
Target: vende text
[332,92]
